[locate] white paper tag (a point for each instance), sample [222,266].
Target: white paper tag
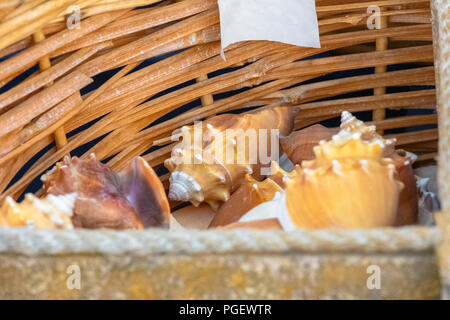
[288,21]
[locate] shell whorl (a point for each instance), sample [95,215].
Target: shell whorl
[184,188]
[351,123]
[64,203]
[347,145]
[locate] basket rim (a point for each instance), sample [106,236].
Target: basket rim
[440,22]
[28,241]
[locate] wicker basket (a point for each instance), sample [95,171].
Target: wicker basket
[164,70]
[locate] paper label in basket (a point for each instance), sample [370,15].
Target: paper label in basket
[288,21]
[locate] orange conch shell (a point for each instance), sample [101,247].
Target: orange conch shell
[279,176]
[368,133]
[348,185]
[299,144]
[408,209]
[131,199]
[52,212]
[206,172]
[250,194]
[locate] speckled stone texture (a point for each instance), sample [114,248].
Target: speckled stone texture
[236,276]
[440,10]
[443,253]
[218,265]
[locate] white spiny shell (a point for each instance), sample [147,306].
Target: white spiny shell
[52,212]
[183,187]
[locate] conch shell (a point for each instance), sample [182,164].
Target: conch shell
[250,194]
[131,199]
[202,169]
[348,192]
[299,144]
[351,124]
[408,206]
[52,212]
[408,209]
[279,176]
[348,185]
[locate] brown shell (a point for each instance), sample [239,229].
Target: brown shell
[408,205]
[299,144]
[145,192]
[250,194]
[131,199]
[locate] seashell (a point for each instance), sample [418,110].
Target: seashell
[429,173]
[51,212]
[145,192]
[428,194]
[174,225]
[279,175]
[408,206]
[266,210]
[192,217]
[346,145]
[408,201]
[369,133]
[213,158]
[350,123]
[131,199]
[250,194]
[299,144]
[348,185]
[265,224]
